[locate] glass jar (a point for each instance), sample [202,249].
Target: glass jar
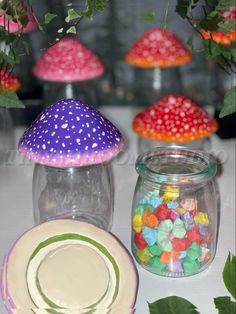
[146,144]
[7,138]
[86,91]
[175,212]
[83,193]
[151,85]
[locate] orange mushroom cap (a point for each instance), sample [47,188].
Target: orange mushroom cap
[8,81]
[174,118]
[158,48]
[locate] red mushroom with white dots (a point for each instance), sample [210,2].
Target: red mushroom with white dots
[175,119]
[8,81]
[158,48]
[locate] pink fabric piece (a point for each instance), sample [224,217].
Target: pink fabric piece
[68,60]
[15,27]
[189,204]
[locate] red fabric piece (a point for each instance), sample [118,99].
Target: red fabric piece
[180,244]
[194,236]
[140,241]
[162,212]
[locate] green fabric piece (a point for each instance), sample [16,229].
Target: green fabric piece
[193,252]
[155,250]
[166,226]
[156,264]
[190,266]
[165,244]
[179,230]
[141,208]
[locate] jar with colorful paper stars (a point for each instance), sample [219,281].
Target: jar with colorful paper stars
[175,211]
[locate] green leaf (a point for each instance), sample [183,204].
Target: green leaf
[223,5]
[71,15]
[88,13]
[26,47]
[71,30]
[48,17]
[10,100]
[101,5]
[229,272]
[211,21]
[60,30]
[212,49]
[190,43]
[225,305]
[184,6]
[172,305]
[14,55]
[149,16]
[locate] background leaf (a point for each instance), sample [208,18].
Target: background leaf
[229,272]
[10,100]
[229,269]
[149,16]
[71,30]
[48,17]
[71,15]
[172,305]
[211,21]
[225,305]
[183,6]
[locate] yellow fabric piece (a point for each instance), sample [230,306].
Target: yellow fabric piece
[171,193]
[201,218]
[181,211]
[144,255]
[137,223]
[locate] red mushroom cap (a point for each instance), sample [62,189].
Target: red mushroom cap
[8,81]
[13,27]
[158,48]
[175,118]
[68,61]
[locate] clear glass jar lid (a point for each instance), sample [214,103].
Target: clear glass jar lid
[176,165]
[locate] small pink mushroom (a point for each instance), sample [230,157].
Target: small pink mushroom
[68,61]
[13,27]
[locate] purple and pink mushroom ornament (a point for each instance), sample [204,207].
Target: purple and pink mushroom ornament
[67,69]
[72,144]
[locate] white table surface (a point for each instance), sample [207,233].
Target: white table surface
[16,217]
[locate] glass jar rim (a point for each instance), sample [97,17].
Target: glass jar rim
[206,173]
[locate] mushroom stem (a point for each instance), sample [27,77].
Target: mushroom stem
[69,91]
[157,84]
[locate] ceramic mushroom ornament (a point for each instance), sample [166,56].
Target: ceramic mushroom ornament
[173,120]
[71,266]
[8,83]
[71,144]
[157,54]
[14,27]
[65,69]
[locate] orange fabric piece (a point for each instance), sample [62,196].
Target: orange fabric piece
[167,257]
[149,219]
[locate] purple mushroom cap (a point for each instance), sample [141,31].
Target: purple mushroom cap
[70,133]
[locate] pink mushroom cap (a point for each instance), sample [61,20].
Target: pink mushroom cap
[13,27]
[68,61]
